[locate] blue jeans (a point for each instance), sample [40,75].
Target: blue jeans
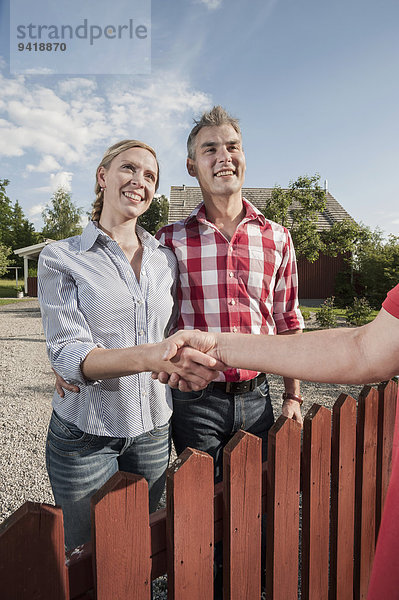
[208,419]
[79,463]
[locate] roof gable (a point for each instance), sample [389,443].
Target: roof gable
[183,200]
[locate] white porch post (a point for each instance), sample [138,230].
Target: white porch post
[26,271]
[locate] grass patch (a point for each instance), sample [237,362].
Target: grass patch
[339,312]
[12,300]
[7,288]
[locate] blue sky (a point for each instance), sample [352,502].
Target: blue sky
[314,83]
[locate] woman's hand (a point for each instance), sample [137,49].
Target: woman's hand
[61,385]
[193,346]
[184,363]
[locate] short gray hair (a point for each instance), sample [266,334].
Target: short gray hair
[214,118]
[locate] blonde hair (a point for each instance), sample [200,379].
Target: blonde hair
[108,157]
[216,117]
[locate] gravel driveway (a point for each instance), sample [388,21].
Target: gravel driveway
[26,387]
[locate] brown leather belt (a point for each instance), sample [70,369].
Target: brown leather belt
[239,387]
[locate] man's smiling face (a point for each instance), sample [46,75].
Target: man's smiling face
[219,163]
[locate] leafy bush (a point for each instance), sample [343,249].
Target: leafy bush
[326,316]
[359,313]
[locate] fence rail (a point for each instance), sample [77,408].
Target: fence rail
[337,475]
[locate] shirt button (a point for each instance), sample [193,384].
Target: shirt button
[232,302]
[231,274]
[234,329]
[141,332]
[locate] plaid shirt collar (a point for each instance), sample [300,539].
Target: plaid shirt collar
[251,214]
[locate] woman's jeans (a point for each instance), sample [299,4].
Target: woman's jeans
[79,463]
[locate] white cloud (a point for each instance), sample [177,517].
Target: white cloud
[63,127]
[62,179]
[36,210]
[211,4]
[56,180]
[47,163]
[76,84]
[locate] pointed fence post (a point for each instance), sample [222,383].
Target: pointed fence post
[316,457]
[386,423]
[365,507]
[189,527]
[242,518]
[121,539]
[343,469]
[283,485]
[32,554]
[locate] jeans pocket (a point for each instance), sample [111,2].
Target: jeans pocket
[160,431]
[263,390]
[192,396]
[65,438]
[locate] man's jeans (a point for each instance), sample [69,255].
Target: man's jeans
[207,420]
[79,463]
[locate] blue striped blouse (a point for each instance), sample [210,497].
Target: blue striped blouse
[90,297]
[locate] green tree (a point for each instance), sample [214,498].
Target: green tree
[5,213]
[376,266]
[344,237]
[156,216]
[62,217]
[16,231]
[4,260]
[297,208]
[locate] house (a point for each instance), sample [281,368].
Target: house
[316,280]
[31,253]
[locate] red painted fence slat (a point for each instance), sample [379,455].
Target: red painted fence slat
[32,556]
[387,393]
[189,527]
[365,501]
[282,522]
[242,495]
[316,457]
[121,539]
[343,457]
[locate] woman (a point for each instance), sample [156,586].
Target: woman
[106,298]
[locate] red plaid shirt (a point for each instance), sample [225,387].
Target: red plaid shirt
[247,284]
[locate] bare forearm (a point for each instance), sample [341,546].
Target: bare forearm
[191,364]
[102,363]
[292,385]
[360,355]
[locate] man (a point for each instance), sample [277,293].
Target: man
[237,274]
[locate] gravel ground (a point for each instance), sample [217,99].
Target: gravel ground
[26,387]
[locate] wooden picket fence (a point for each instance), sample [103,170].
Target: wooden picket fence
[339,479]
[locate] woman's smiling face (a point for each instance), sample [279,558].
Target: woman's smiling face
[129,183]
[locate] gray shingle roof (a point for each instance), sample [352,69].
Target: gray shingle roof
[183,200]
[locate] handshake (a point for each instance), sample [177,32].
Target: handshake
[192,358]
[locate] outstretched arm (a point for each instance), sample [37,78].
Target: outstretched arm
[359,355]
[191,364]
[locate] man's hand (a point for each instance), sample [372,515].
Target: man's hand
[187,358]
[61,385]
[292,410]
[202,341]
